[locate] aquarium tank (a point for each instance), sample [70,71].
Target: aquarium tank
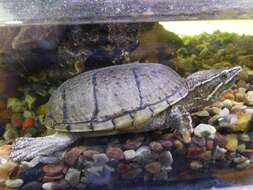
[133,94]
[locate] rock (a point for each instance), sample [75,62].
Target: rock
[229,95]
[53,169]
[220,140]
[195,151]
[205,130]
[71,156]
[202,113]
[166,158]
[200,141]
[239,159]
[240,96]
[156,146]
[206,155]
[53,178]
[209,144]
[129,154]
[153,167]
[123,167]
[215,111]
[243,165]
[241,147]
[6,169]
[114,153]
[168,136]
[133,143]
[213,120]
[100,159]
[95,170]
[179,145]
[167,144]
[33,185]
[5,150]
[62,185]
[224,113]
[89,153]
[242,122]
[73,176]
[143,153]
[219,153]
[15,183]
[249,98]
[99,176]
[196,165]
[81,186]
[228,104]
[232,142]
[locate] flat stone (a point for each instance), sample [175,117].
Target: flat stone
[14,183]
[129,154]
[53,178]
[153,167]
[73,176]
[95,170]
[167,144]
[33,185]
[202,113]
[133,143]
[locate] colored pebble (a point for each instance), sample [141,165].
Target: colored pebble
[249,98]
[6,169]
[115,153]
[129,154]
[205,130]
[153,167]
[232,142]
[28,123]
[156,146]
[243,121]
[196,165]
[52,169]
[71,156]
[73,176]
[15,183]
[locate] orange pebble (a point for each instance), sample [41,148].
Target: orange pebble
[29,122]
[5,150]
[228,95]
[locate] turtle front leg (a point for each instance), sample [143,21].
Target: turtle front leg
[27,148]
[180,119]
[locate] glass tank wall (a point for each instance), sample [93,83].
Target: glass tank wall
[113,95]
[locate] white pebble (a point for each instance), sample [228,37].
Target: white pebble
[15,183]
[205,130]
[129,154]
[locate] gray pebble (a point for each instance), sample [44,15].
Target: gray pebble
[73,176]
[166,158]
[143,153]
[100,159]
[15,183]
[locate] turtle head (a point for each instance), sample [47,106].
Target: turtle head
[206,86]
